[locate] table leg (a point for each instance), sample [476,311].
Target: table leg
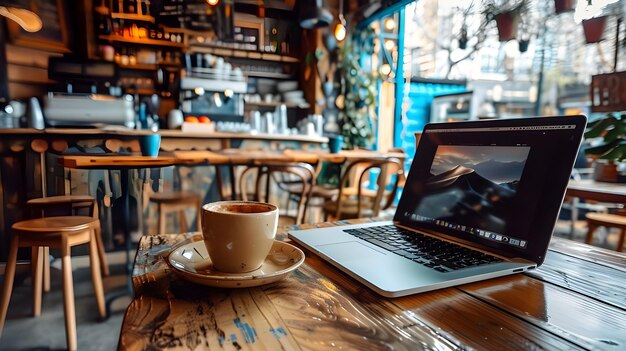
[128,290]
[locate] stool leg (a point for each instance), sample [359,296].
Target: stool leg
[38,258]
[94,261]
[161,219]
[46,269]
[7,284]
[590,229]
[68,296]
[104,265]
[620,242]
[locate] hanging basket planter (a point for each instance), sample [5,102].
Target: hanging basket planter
[507,23]
[594,28]
[561,6]
[523,45]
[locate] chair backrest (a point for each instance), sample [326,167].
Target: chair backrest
[391,174]
[279,172]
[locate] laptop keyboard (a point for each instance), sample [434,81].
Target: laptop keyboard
[426,250]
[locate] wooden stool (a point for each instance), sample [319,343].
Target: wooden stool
[176,201]
[595,220]
[47,206]
[56,232]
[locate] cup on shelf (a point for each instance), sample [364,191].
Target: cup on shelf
[238,234]
[335,143]
[150,144]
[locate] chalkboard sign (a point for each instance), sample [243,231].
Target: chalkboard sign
[53,36]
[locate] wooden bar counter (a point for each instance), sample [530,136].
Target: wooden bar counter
[575,300]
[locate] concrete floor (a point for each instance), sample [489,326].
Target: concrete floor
[22,331]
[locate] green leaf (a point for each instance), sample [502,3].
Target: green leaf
[597,129]
[601,149]
[617,153]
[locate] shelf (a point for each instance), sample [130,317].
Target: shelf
[268,75]
[240,53]
[141,41]
[132,16]
[149,66]
[140,66]
[276,104]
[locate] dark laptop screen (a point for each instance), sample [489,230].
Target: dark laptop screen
[498,183]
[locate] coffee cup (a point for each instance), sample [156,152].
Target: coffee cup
[238,234]
[335,143]
[150,144]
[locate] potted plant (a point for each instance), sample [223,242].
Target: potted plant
[561,6]
[357,90]
[594,28]
[507,15]
[611,152]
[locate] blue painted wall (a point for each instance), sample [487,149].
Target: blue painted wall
[419,100]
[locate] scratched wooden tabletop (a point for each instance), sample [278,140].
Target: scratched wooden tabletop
[575,300]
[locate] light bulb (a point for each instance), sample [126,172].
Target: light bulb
[389,44]
[340,31]
[212,2]
[390,24]
[385,69]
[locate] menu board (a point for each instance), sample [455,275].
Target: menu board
[52,36]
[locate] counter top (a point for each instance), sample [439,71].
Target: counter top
[164,133]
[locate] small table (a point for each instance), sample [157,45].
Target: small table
[575,300]
[597,191]
[123,163]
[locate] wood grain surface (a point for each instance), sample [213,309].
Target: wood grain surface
[575,300]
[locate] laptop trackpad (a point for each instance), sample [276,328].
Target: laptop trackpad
[351,250]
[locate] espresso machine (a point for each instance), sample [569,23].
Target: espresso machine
[90,97]
[210,87]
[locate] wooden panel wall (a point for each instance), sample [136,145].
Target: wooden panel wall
[27,71]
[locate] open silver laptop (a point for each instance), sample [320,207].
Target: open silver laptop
[480,201]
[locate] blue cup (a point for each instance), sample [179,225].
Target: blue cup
[150,144]
[335,143]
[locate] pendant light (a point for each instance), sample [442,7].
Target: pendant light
[28,20]
[340,28]
[313,14]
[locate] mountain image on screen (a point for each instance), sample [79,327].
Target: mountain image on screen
[473,185]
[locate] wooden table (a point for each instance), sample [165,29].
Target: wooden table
[597,191]
[575,300]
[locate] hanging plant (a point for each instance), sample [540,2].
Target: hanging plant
[357,114]
[463,38]
[507,15]
[561,6]
[594,28]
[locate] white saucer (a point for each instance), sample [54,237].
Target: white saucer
[192,262]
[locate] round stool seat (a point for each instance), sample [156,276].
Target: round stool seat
[595,220]
[55,224]
[52,206]
[607,218]
[61,199]
[173,196]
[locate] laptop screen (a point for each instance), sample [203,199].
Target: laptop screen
[498,184]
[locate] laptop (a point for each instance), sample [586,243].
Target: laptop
[480,201]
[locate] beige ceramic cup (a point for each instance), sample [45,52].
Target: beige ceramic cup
[238,234]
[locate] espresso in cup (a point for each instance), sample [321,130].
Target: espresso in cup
[238,234]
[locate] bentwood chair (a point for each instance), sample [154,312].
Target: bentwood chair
[274,174]
[362,196]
